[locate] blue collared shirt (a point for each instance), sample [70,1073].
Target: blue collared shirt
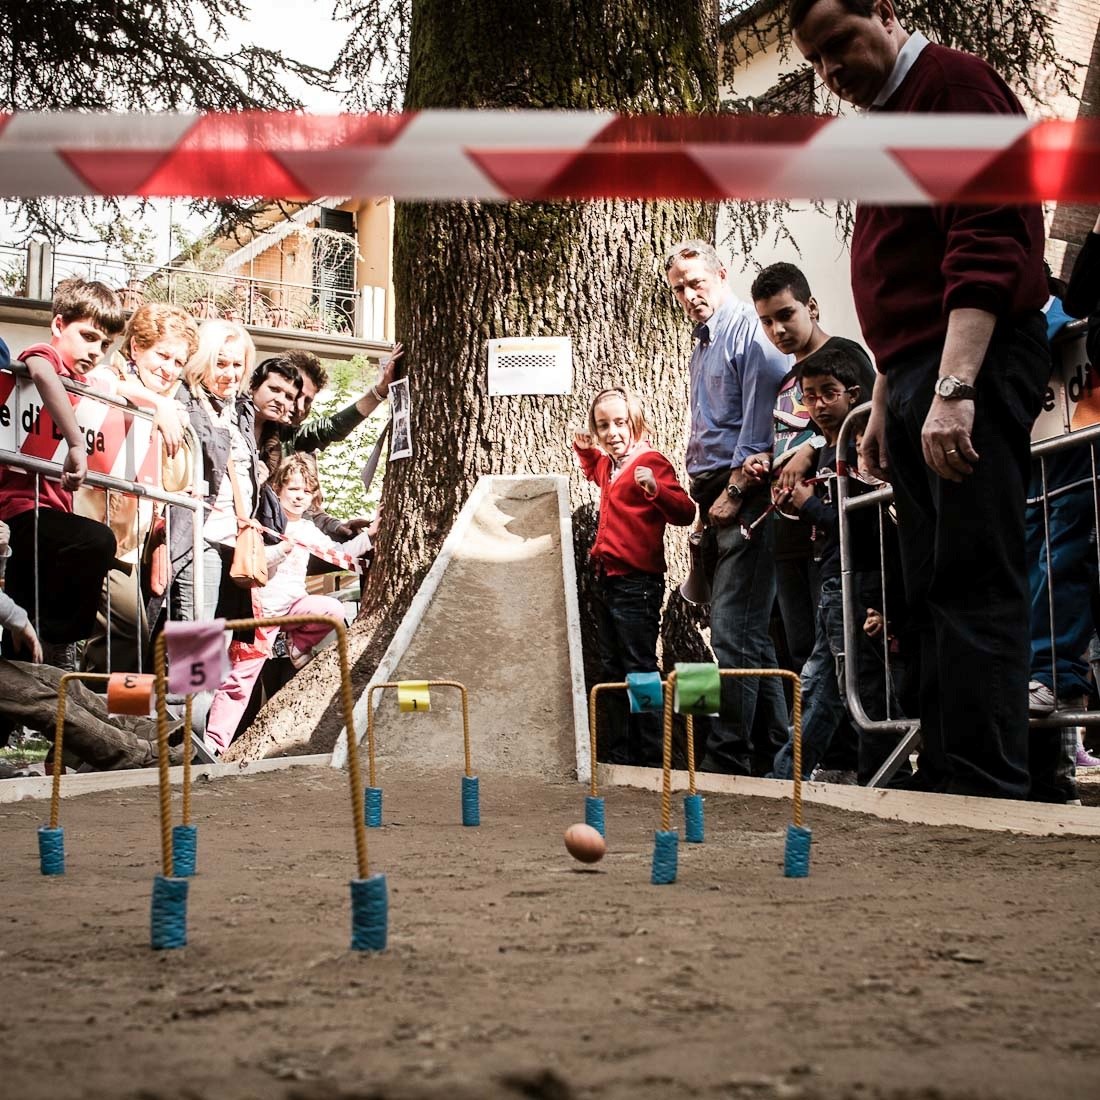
[735,373]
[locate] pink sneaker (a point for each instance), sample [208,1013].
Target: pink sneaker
[1085,760]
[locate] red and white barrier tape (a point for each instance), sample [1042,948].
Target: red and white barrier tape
[552,155]
[334,557]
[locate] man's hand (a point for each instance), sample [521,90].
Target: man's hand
[872,447]
[945,438]
[75,469]
[168,420]
[757,467]
[28,640]
[643,475]
[873,624]
[582,440]
[724,511]
[386,369]
[351,527]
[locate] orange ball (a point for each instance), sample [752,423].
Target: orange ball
[585,843]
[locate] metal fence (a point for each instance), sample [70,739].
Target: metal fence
[1063,428]
[97,412]
[334,306]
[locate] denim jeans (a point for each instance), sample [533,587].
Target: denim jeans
[1073,569]
[824,709]
[628,625]
[965,567]
[753,721]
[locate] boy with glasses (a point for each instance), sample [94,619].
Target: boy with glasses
[831,386]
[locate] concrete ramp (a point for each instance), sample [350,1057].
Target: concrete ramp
[498,612]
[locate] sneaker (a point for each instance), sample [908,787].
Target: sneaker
[1040,698]
[1085,760]
[299,658]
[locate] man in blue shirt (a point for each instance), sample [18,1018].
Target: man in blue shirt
[735,374]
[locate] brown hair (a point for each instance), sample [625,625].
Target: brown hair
[298,463]
[154,321]
[77,299]
[797,10]
[309,365]
[635,414]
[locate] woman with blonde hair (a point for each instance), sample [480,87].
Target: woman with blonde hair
[212,380]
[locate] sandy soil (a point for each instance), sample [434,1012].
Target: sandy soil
[914,962]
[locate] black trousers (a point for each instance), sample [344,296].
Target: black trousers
[964,565]
[71,560]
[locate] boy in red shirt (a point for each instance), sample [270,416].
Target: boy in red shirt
[74,553]
[639,494]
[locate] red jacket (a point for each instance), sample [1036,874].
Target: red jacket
[630,536]
[913,265]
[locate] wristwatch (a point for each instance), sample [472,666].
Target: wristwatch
[951,388]
[734,492]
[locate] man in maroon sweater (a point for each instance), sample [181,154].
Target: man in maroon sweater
[949,299]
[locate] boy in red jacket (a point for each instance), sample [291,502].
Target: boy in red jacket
[639,494]
[59,559]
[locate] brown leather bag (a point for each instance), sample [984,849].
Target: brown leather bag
[249,567]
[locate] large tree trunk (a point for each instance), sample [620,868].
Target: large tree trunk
[466,273]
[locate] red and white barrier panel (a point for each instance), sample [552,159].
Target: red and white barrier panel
[552,155]
[118,442]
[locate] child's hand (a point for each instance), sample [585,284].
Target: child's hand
[757,467]
[582,440]
[796,468]
[29,641]
[873,624]
[801,493]
[75,469]
[5,538]
[643,475]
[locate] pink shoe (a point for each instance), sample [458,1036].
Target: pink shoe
[1085,760]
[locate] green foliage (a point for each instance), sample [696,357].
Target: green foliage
[132,55]
[340,464]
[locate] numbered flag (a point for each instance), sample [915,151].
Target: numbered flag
[197,656]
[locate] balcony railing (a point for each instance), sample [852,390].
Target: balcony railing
[34,271]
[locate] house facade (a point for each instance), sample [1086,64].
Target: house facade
[764,72]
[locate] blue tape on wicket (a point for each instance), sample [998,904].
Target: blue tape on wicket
[369,913]
[51,850]
[645,691]
[693,818]
[169,917]
[796,858]
[471,806]
[185,842]
[665,846]
[593,814]
[372,807]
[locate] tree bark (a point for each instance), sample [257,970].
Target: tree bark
[466,273]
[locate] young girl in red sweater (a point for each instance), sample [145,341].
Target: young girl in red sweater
[639,494]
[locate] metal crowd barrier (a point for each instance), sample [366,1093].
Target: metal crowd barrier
[1069,353]
[13,426]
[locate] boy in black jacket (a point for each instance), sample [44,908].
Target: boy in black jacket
[830,383]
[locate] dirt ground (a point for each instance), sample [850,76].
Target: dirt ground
[914,962]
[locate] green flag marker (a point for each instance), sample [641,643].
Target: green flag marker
[698,689]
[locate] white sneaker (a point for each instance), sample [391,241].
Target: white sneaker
[1040,698]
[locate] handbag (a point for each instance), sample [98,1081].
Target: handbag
[249,566]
